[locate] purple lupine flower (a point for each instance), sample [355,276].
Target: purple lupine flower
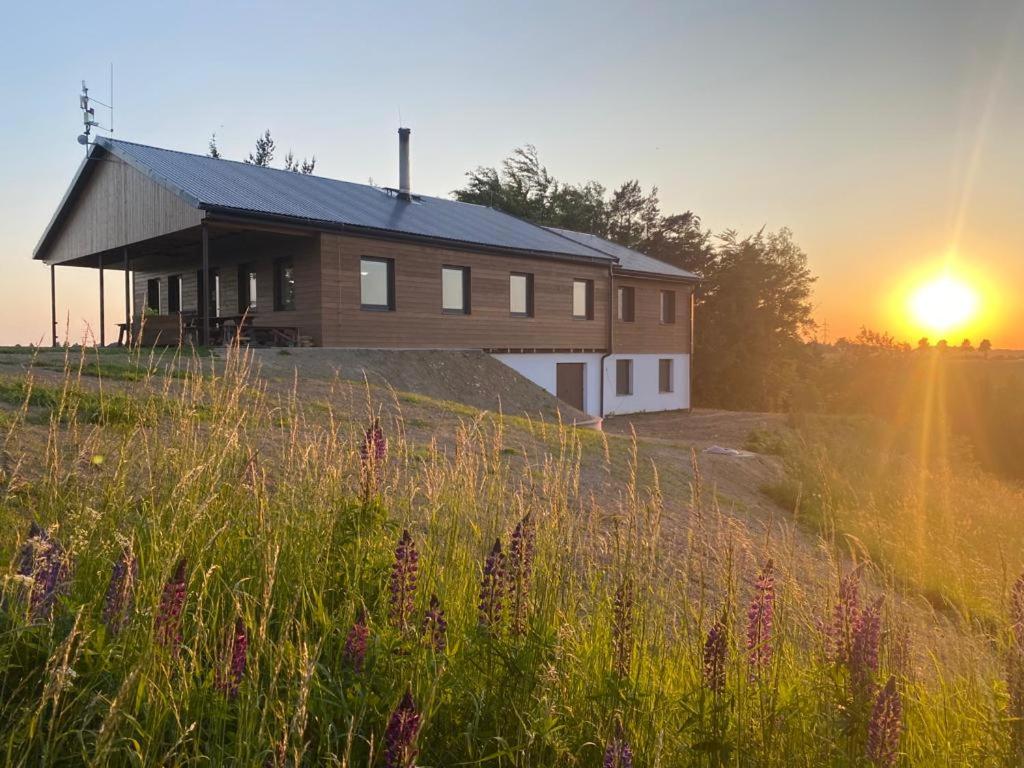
[435,626]
[237,653]
[867,636]
[491,586]
[617,754]
[400,736]
[43,560]
[374,449]
[117,607]
[885,726]
[622,628]
[355,643]
[716,647]
[172,601]
[760,616]
[845,615]
[520,568]
[403,580]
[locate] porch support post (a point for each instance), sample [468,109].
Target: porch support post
[204,300]
[127,300]
[53,303]
[103,313]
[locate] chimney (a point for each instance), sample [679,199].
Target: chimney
[403,162]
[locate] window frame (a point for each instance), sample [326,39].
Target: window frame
[624,363]
[175,283]
[622,304]
[246,279]
[588,300]
[666,293]
[151,284]
[666,386]
[529,294]
[389,263]
[466,273]
[280,266]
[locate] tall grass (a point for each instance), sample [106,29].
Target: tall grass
[597,653]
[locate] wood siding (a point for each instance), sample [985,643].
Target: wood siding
[118,206]
[418,321]
[647,334]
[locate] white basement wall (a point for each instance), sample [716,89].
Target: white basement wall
[540,368]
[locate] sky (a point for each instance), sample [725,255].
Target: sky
[887,136]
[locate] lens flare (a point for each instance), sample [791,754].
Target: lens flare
[944,303]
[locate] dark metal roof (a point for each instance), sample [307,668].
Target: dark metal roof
[628,259]
[219,185]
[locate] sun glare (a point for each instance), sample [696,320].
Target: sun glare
[945,303]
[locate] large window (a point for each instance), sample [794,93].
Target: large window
[583,299]
[174,294]
[246,289]
[665,375]
[284,285]
[668,307]
[377,283]
[455,290]
[627,304]
[153,295]
[520,294]
[623,377]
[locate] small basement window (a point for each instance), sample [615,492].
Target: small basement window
[668,307]
[174,294]
[455,284]
[627,304]
[623,377]
[665,375]
[284,285]
[377,284]
[520,294]
[583,299]
[153,295]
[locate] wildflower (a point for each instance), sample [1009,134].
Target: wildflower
[400,736]
[845,614]
[435,626]
[238,650]
[172,600]
[520,568]
[42,560]
[715,650]
[491,586]
[403,580]
[760,616]
[622,628]
[374,449]
[355,643]
[885,726]
[121,593]
[867,635]
[617,755]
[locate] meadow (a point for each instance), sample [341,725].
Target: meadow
[206,570]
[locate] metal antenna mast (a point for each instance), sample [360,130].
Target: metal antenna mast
[85,101]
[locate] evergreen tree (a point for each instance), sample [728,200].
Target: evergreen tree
[212,150]
[264,153]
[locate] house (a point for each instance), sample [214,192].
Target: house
[287,258]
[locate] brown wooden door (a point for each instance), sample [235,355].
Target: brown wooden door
[569,386]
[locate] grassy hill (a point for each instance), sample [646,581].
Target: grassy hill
[225,570]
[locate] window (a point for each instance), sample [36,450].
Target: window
[583,299]
[174,294]
[377,283]
[623,377]
[668,307]
[627,304]
[246,289]
[153,294]
[520,294]
[665,375]
[284,285]
[455,290]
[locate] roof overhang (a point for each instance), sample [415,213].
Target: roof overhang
[655,276]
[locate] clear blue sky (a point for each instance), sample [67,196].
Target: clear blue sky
[881,133]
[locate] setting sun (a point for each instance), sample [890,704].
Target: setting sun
[944,303]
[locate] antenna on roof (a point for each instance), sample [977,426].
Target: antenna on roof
[85,102]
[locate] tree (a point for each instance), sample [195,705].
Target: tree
[985,347]
[923,343]
[966,346]
[305,167]
[942,345]
[264,154]
[213,151]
